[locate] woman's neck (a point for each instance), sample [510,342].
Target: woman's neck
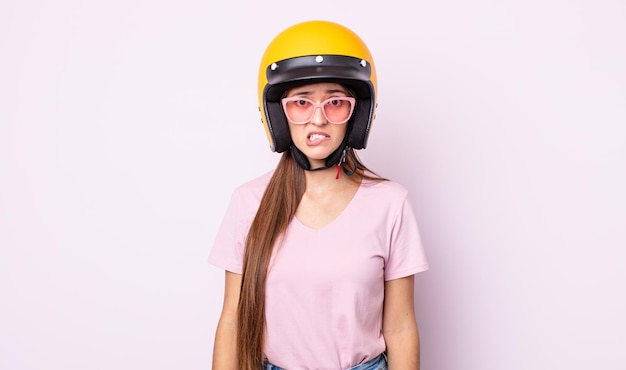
[327,179]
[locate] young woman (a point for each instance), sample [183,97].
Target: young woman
[320,253]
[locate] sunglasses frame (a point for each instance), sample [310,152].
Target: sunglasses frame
[321,105]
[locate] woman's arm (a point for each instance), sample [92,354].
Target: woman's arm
[399,325]
[225,347]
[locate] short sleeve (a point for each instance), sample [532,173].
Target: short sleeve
[230,241]
[228,247]
[406,252]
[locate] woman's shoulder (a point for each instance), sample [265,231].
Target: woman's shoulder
[385,198]
[383,187]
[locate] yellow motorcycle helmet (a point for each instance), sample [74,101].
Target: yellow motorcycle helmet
[310,52]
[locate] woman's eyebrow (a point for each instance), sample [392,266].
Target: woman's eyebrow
[334,91]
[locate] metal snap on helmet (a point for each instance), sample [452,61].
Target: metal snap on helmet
[311,52]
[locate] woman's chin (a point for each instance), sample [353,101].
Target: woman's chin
[316,155]
[317,163]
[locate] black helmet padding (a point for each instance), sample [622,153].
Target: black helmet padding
[351,72]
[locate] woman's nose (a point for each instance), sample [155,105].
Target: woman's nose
[318,117]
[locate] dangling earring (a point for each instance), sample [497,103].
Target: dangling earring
[343,159]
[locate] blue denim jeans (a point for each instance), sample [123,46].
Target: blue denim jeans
[377,363]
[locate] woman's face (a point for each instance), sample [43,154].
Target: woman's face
[317,138]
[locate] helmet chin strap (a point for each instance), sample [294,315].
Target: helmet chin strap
[332,160]
[336,158]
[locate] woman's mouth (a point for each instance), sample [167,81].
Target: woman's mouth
[316,138]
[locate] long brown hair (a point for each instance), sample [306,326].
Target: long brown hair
[277,208]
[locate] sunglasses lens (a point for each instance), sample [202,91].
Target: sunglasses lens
[299,111]
[337,110]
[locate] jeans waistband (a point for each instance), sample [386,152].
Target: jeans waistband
[377,363]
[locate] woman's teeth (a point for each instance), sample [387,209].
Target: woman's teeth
[316,136]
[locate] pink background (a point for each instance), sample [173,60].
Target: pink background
[125,125]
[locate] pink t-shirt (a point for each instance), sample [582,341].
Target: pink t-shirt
[325,288]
